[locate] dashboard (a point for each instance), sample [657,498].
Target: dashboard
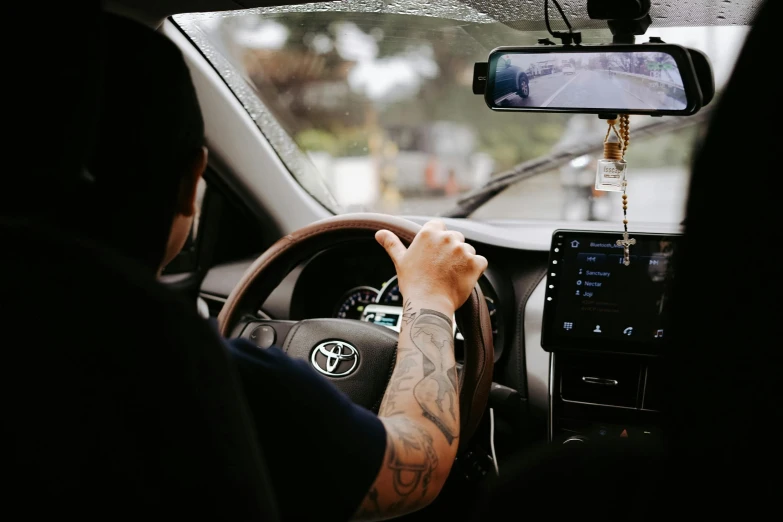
[358,281]
[563,381]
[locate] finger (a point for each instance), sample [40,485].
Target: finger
[481,263]
[453,235]
[391,244]
[435,224]
[468,249]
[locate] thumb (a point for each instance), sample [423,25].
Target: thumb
[391,244]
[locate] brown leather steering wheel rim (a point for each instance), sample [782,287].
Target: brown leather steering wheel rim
[272,266]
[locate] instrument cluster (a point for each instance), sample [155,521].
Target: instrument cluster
[353,304]
[357,281]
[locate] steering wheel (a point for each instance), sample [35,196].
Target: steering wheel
[358,357]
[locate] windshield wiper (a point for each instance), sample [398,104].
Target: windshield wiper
[468,204]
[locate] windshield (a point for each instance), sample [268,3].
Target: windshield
[375,112]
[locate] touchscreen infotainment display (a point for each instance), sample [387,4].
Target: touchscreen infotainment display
[595,302]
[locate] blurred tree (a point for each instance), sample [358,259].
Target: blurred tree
[603,61]
[667,150]
[620,62]
[306,84]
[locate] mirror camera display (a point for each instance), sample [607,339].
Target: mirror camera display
[647,80]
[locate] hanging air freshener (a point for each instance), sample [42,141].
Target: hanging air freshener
[612,168]
[611,174]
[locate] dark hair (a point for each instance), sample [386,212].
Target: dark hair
[150,130]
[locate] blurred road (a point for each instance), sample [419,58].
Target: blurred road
[583,89]
[654,195]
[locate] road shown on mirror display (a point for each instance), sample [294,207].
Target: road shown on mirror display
[591,89]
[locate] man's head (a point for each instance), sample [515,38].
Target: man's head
[149,152]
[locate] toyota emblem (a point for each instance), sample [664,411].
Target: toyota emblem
[335,358]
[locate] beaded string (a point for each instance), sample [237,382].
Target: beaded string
[625,139]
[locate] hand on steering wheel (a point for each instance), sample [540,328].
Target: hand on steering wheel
[366,352]
[438,264]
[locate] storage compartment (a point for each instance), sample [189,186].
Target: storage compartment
[600,381]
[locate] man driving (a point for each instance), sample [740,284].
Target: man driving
[146,165]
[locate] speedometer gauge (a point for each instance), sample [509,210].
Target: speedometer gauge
[352,304]
[390,293]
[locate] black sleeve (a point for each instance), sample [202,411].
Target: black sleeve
[323,451]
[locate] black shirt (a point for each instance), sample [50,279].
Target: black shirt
[323,451]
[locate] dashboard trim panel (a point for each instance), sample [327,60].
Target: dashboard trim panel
[538,362]
[213,297]
[597,404]
[550,431]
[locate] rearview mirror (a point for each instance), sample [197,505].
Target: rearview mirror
[655,79]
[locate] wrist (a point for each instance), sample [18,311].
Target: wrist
[439,303]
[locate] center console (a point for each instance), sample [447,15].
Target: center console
[606,322]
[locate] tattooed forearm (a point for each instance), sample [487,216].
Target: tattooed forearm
[410,462]
[410,456]
[431,332]
[370,507]
[408,314]
[420,411]
[401,382]
[435,385]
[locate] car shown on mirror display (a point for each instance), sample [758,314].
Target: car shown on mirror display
[510,79]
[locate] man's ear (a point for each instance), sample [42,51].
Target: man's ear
[189,185]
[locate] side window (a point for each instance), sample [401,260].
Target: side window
[224,231]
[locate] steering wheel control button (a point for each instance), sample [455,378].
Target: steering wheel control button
[335,358]
[263,336]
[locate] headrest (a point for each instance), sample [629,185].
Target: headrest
[723,369]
